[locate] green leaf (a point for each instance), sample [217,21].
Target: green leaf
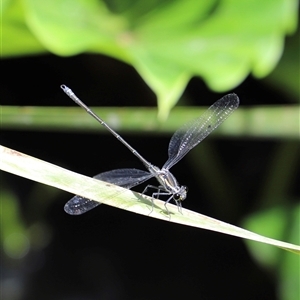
[166,42]
[16,37]
[46,173]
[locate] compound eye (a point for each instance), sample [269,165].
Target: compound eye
[177,197]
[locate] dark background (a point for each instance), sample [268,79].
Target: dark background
[113,254]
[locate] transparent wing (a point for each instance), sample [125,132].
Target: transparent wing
[192,133]
[79,205]
[127,178]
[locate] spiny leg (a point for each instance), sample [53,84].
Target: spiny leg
[179,206]
[157,194]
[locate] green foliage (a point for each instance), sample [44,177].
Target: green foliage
[283,223]
[13,232]
[166,42]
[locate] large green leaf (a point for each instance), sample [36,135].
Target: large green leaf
[167,42]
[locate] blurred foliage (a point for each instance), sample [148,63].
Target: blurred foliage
[166,42]
[281,222]
[17,236]
[285,77]
[13,231]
